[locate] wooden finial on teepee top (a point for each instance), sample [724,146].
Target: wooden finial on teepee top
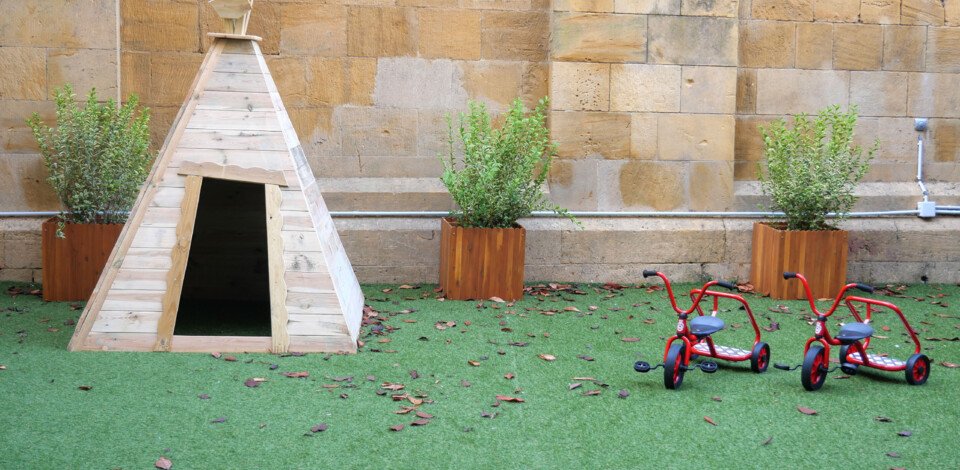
[235,14]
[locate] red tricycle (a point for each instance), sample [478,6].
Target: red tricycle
[854,340]
[694,337]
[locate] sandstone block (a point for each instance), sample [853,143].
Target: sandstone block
[695,137]
[161,118]
[135,75]
[653,185]
[159,26]
[514,35]
[24,179]
[23,75]
[264,22]
[708,90]
[497,83]
[748,146]
[808,90]
[724,8]
[898,142]
[922,12]
[324,81]
[433,133]
[316,131]
[599,37]
[574,184]
[945,140]
[359,80]
[597,6]
[857,47]
[640,87]
[836,11]
[582,134]
[414,3]
[410,83]
[452,34]
[42,23]
[647,7]
[643,136]
[746,91]
[520,5]
[382,32]
[879,93]
[175,71]
[290,75]
[767,44]
[311,29]
[814,46]
[377,131]
[692,40]
[580,86]
[934,95]
[783,10]
[711,186]
[84,69]
[880,11]
[943,50]
[951,11]
[903,48]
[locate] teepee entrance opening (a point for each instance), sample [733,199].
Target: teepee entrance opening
[226,286]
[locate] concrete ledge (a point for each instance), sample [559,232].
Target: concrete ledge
[882,250]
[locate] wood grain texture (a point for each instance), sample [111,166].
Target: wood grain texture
[481,263]
[72,265]
[278,285]
[233,173]
[821,256]
[179,257]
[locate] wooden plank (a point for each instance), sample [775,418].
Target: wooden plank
[167,197]
[234,120]
[154,237]
[317,325]
[268,159]
[278,286]
[73,265]
[238,63]
[329,344]
[134,300]
[237,140]
[178,256]
[294,201]
[234,46]
[118,342]
[296,220]
[236,37]
[314,283]
[250,344]
[300,241]
[821,256]
[234,173]
[139,279]
[126,322]
[85,323]
[232,100]
[147,258]
[237,82]
[305,262]
[481,263]
[161,217]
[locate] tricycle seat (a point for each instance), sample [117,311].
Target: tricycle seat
[853,332]
[705,326]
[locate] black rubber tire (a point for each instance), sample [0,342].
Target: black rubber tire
[760,358]
[918,369]
[673,368]
[812,373]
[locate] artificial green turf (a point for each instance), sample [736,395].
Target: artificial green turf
[145,405]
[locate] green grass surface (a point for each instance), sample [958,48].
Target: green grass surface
[145,405]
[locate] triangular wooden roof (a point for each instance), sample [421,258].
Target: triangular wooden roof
[233,126]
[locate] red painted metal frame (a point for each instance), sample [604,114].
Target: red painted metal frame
[822,333]
[683,330]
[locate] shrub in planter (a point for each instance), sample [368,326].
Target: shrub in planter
[97,159]
[812,170]
[498,181]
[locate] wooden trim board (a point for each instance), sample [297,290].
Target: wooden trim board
[232,173]
[278,286]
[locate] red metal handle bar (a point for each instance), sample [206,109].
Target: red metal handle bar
[673,300]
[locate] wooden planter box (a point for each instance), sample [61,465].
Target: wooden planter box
[479,263]
[72,265]
[821,256]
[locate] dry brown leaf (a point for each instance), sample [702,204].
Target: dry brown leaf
[405,409]
[163,463]
[319,428]
[510,399]
[629,340]
[297,375]
[408,286]
[547,357]
[806,411]
[509,376]
[497,300]
[571,308]
[396,428]
[424,415]
[575,385]
[473,363]
[420,422]
[709,420]
[949,365]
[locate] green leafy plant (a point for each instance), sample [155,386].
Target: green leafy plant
[501,176]
[814,167]
[96,156]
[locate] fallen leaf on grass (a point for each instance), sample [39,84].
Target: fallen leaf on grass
[893,455]
[203,396]
[767,441]
[408,286]
[414,374]
[571,309]
[487,414]
[629,340]
[85,388]
[510,399]
[497,300]
[230,358]
[905,433]
[424,415]
[319,428]
[163,463]
[420,422]
[509,376]
[547,357]
[297,375]
[473,363]
[590,393]
[709,420]
[465,383]
[955,338]
[882,419]
[396,428]
[623,394]
[3,367]
[216,355]
[391,386]
[949,365]
[806,411]
[716,398]
[774,326]
[585,358]
[254,382]
[575,385]
[519,344]
[345,378]
[221,419]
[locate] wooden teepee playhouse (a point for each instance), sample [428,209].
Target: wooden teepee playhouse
[230,221]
